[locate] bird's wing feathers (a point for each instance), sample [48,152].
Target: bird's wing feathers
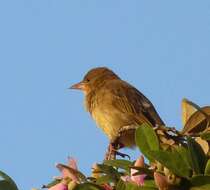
[128,99]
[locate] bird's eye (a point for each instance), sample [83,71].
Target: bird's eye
[87,80]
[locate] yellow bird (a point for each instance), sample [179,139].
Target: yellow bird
[117,107]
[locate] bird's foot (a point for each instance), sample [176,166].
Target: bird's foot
[112,153]
[123,155]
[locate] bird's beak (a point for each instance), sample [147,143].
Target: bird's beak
[78,86]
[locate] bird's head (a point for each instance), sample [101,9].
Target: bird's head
[94,79]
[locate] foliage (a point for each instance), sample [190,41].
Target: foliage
[177,160]
[6,182]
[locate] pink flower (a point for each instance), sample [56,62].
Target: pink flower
[137,179]
[161,181]
[66,175]
[59,186]
[107,187]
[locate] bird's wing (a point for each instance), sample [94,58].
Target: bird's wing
[129,100]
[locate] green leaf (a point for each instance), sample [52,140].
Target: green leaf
[120,163]
[183,152]
[105,179]
[6,185]
[54,182]
[9,180]
[203,187]
[197,156]
[205,136]
[79,174]
[88,186]
[199,181]
[207,168]
[130,186]
[149,183]
[109,170]
[147,140]
[173,161]
[121,185]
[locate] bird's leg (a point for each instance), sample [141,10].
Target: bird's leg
[112,151]
[122,155]
[119,146]
[110,154]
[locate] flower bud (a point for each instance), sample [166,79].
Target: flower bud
[72,185]
[161,181]
[95,171]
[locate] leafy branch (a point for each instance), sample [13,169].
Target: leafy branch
[176,160]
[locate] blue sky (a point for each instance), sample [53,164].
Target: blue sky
[161,47]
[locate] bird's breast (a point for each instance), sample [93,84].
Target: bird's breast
[105,120]
[106,114]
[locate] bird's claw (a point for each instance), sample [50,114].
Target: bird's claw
[112,153]
[122,155]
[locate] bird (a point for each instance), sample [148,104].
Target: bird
[117,107]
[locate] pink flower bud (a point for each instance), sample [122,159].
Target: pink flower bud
[59,186]
[161,181]
[139,162]
[107,187]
